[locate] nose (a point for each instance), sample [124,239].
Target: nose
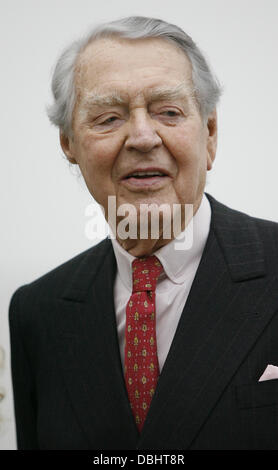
[142,135]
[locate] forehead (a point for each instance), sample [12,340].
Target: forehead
[131,66]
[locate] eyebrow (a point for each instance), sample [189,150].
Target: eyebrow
[170,93]
[114,98]
[111,99]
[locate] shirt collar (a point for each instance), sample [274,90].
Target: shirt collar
[177,264]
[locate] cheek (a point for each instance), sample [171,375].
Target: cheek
[97,156]
[185,146]
[188,151]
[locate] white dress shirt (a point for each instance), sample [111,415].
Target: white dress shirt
[173,285]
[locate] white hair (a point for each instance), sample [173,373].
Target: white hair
[206,87]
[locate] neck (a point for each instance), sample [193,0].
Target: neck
[145,247]
[142,247]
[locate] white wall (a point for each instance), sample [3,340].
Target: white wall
[43,203]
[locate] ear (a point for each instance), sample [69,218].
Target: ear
[67,147]
[211,138]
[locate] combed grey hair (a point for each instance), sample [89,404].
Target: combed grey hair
[206,87]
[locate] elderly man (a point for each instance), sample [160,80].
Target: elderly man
[136,343]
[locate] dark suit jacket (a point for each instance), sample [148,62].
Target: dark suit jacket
[69,389]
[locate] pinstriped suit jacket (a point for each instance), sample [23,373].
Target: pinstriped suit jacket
[69,390]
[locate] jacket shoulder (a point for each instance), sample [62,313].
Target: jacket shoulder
[54,281]
[237,216]
[245,237]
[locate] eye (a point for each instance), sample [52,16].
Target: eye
[109,120]
[170,113]
[107,123]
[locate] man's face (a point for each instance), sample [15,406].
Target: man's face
[135,112]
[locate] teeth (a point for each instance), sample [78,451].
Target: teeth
[147,173]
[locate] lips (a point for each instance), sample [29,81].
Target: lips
[145,179]
[146,173]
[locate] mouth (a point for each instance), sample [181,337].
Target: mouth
[145,178]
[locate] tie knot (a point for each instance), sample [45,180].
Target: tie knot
[145,272]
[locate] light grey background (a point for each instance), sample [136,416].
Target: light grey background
[43,204]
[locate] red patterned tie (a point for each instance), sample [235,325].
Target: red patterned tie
[141,362]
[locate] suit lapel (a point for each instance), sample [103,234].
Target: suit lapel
[230,303]
[89,354]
